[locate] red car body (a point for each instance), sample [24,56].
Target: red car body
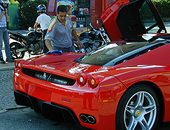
[90,94]
[123,19]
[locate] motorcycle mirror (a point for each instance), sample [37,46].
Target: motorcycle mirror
[97,25]
[90,25]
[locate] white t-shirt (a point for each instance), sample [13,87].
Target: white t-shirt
[44,20]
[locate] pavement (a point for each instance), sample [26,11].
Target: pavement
[6,91]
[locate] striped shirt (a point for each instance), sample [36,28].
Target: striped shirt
[60,35]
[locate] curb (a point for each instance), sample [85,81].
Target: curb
[6,68]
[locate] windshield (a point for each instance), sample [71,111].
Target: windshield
[112,54]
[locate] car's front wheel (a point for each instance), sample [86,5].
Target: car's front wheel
[138,109]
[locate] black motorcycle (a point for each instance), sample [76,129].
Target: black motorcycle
[30,42]
[92,39]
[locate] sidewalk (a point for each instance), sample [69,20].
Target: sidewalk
[10,66]
[7,66]
[7,100]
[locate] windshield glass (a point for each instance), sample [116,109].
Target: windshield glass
[112,54]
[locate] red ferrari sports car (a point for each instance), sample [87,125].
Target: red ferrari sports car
[123,85]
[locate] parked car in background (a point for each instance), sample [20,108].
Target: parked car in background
[123,85]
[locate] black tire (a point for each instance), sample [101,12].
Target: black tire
[139,107]
[13,47]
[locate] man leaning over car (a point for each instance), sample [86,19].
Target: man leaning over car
[60,32]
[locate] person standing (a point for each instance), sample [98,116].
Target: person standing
[69,13]
[4,18]
[60,32]
[44,21]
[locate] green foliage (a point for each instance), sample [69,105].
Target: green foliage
[13,2]
[28,12]
[163,7]
[17,1]
[21,1]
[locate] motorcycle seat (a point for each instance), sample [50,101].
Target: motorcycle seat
[27,38]
[17,34]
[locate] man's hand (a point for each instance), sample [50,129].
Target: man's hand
[7,17]
[6,12]
[79,44]
[39,29]
[3,12]
[74,34]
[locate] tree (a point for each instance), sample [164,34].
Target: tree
[21,1]
[17,1]
[28,12]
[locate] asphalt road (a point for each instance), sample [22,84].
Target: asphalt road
[27,119]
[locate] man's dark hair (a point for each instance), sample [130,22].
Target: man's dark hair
[61,8]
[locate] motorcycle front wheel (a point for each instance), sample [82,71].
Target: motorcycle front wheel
[13,47]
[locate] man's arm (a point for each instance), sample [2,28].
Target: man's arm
[3,12]
[74,34]
[7,17]
[35,25]
[48,45]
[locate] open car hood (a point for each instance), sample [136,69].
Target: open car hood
[127,19]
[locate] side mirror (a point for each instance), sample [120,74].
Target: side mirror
[97,22]
[91,25]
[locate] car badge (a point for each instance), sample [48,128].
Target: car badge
[44,76]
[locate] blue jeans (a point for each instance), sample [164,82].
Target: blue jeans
[4,36]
